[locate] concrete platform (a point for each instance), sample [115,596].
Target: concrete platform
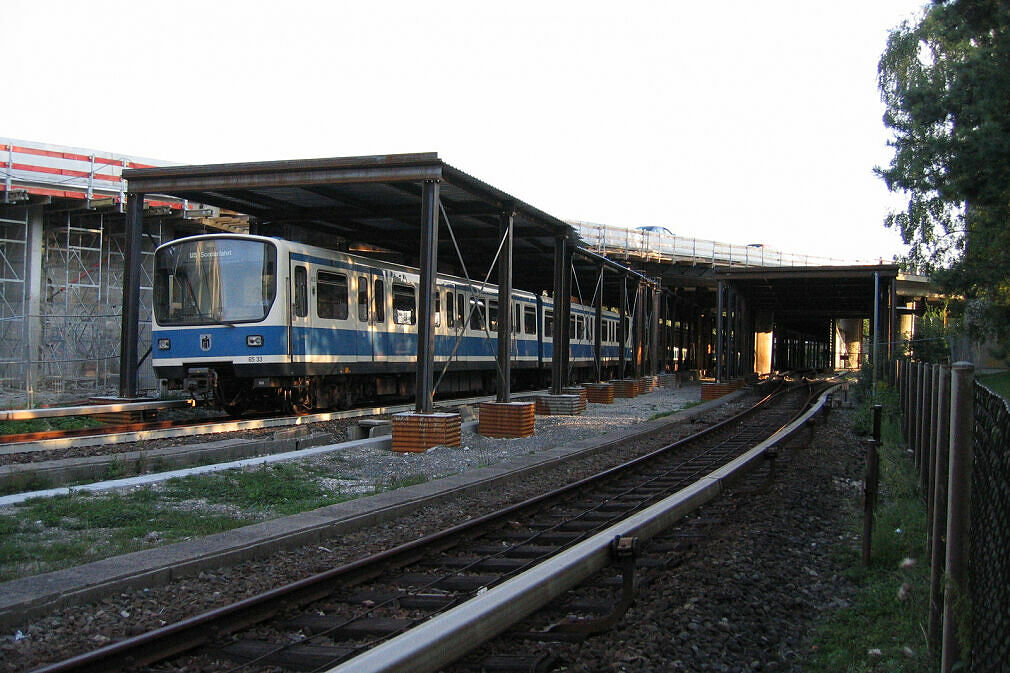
[25,599]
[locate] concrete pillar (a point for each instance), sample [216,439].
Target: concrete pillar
[33,289]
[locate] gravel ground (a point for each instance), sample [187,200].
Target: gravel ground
[747,598]
[743,601]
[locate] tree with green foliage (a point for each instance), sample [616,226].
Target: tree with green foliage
[946,85]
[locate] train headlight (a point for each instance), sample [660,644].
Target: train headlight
[254,340]
[164,344]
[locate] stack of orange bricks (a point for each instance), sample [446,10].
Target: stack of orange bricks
[600,393]
[416,433]
[506,419]
[710,391]
[625,388]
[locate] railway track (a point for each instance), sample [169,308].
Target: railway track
[121,431]
[445,592]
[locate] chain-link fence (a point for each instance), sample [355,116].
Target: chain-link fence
[958,431]
[989,534]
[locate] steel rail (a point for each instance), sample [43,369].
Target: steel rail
[91,409]
[445,637]
[195,631]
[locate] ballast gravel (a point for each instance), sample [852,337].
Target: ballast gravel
[743,601]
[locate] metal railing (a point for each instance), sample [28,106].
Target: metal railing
[660,246]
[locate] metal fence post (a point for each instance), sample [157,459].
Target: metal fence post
[958,505]
[927,430]
[870,481]
[938,520]
[917,416]
[923,419]
[934,426]
[903,399]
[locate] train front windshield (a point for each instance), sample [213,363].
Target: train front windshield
[214,281]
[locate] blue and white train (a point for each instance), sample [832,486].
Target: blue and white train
[251,322]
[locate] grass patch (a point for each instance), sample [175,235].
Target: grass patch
[1000,383]
[25,482]
[45,534]
[59,532]
[279,489]
[884,628]
[45,424]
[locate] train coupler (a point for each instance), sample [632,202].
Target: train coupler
[200,383]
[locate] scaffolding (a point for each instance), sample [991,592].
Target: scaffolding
[13,298]
[81,318]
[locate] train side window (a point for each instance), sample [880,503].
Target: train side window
[529,320]
[450,310]
[438,309]
[548,324]
[571,327]
[331,295]
[460,311]
[362,299]
[404,305]
[580,327]
[517,323]
[301,292]
[492,316]
[476,314]
[379,298]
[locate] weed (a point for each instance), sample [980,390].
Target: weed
[63,531]
[25,482]
[114,470]
[664,414]
[883,629]
[394,483]
[44,424]
[280,489]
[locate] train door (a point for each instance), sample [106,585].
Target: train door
[298,329]
[379,315]
[369,320]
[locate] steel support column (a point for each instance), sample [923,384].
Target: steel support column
[424,395]
[598,329]
[892,327]
[130,328]
[654,341]
[876,333]
[719,337]
[637,353]
[622,330]
[562,302]
[505,312]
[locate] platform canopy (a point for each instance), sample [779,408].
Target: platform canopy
[372,204]
[811,291]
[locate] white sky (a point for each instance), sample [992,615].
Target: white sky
[739,121]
